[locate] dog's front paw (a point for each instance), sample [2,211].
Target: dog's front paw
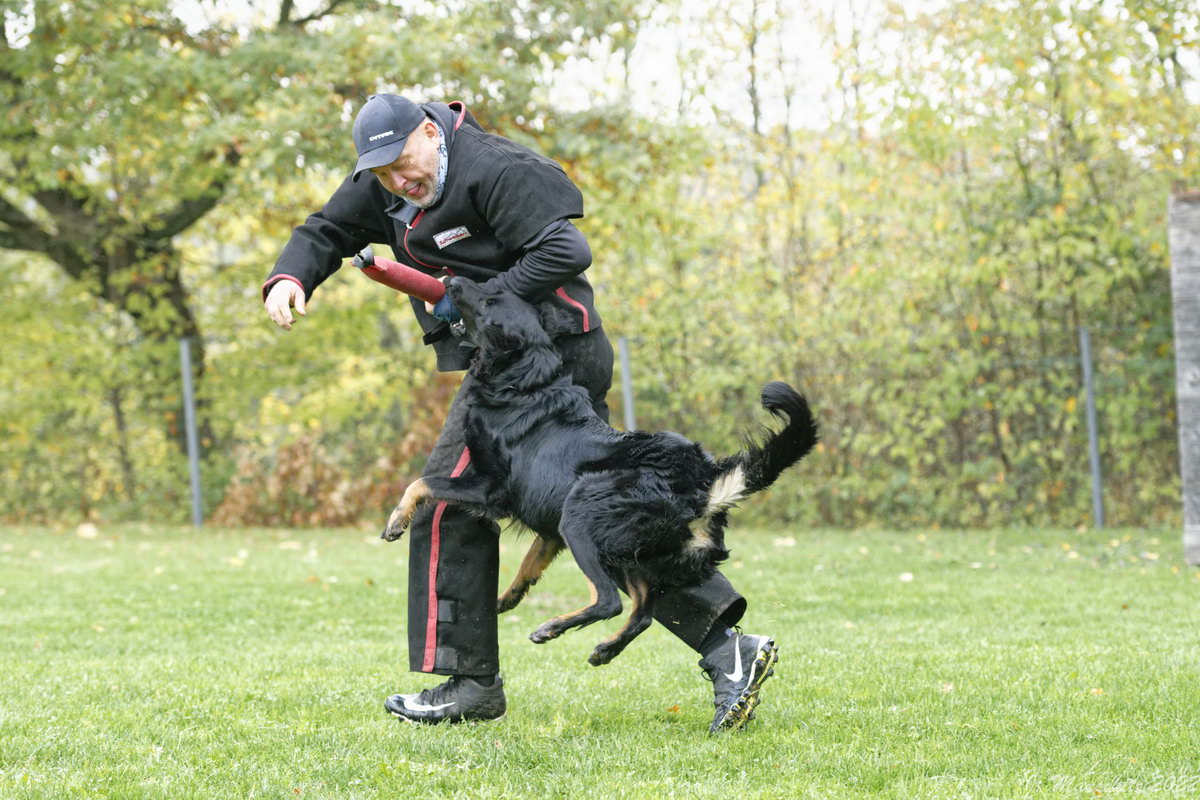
[508,601]
[395,527]
[398,522]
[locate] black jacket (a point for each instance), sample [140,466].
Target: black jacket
[510,203]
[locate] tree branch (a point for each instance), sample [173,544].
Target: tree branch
[180,218]
[23,233]
[183,215]
[313,17]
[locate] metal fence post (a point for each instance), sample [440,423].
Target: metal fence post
[189,421]
[1184,215]
[626,385]
[1085,354]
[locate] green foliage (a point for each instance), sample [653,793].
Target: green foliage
[923,267]
[989,180]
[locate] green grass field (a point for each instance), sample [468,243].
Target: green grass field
[173,663]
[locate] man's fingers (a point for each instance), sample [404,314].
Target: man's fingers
[279,303]
[279,314]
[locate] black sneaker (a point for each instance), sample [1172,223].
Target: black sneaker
[737,669]
[459,699]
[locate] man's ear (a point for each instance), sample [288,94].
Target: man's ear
[555,321]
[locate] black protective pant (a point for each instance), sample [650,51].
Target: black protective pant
[454,560]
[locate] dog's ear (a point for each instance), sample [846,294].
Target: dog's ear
[498,349]
[555,321]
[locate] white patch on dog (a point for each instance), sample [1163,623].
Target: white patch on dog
[701,540]
[727,491]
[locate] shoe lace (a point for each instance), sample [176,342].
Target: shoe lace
[438,693]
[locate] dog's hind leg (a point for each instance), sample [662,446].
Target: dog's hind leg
[575,529]
[639,619]
[540,554]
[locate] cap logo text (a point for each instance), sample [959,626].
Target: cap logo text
[380,135]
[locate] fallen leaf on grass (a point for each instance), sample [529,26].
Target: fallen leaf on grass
[673,710]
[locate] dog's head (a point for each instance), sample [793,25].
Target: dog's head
[507,329]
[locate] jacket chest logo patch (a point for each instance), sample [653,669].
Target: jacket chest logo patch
[447,238]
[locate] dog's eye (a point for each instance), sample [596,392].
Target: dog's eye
[491,301]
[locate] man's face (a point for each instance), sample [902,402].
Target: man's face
[413,175]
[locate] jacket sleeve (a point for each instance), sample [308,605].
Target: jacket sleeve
[557,253]
[347,223]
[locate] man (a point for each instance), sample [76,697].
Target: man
[451,199]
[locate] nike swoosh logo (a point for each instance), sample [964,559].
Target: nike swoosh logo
[736,675]
[411,706]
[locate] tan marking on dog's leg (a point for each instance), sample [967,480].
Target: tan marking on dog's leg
[537,559]
[398,522]
[553,627]
[564,617]
[638,592]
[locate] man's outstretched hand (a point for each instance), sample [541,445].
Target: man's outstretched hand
[280,300]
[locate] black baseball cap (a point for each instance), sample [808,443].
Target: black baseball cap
[381,129]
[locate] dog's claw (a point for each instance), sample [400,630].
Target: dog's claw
[397,524]
[402,514]
[544,634]
[507,602]
[600,657]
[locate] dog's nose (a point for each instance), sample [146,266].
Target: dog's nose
[455,286]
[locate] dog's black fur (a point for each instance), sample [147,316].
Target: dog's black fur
[639,511]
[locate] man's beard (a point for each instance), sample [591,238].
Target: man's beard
[430,185]
[426,199]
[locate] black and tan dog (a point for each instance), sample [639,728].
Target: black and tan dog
[638,511]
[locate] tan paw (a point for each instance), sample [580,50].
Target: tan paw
[401,517]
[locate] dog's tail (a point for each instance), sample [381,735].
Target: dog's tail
[761,462]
